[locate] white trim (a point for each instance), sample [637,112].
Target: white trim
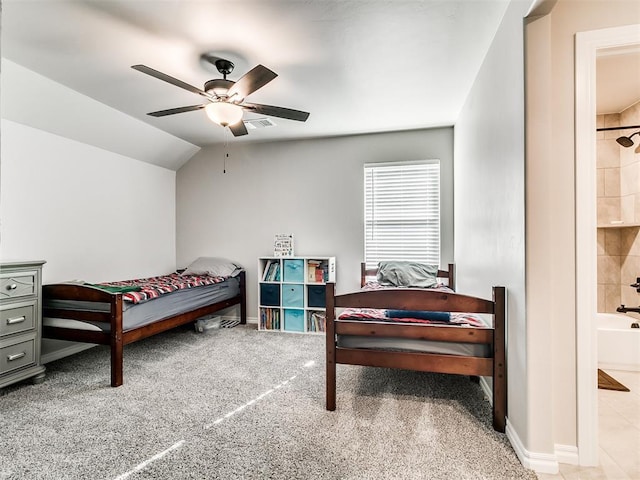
[567,454]
[401,162]
[540,462]
[630,367]
[488,391]
[65,352]
[587,44]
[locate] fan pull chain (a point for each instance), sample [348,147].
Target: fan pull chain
[226,149]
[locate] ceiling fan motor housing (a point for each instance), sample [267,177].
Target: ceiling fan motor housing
[218,87]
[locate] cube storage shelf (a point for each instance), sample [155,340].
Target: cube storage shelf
[292,293]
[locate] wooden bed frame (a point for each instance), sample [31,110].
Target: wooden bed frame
[117,337]
[420,299]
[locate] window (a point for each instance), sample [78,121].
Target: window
[402,212]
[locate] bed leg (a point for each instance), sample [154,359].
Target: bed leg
[116,364]
[331,348]
[499,361]
[116,341]
[243,300]
[331,385]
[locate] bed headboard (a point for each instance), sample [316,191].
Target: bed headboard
[372,272]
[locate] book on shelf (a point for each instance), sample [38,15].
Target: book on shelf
[271,271]
[315,270]
[316,322]
[311,272]
[269,319]
[275,272]
[265,271]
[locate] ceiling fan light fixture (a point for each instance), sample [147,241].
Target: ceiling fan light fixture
[223,113]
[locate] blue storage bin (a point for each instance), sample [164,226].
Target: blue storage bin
[270,294]
[292,295]
[294,320]
[293,270]
[316,296]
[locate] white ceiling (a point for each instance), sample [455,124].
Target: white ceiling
[357,66]
[617,79]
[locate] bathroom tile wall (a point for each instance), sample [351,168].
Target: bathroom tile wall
[630,169]
[618,202]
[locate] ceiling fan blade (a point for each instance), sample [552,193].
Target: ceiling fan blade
[172,111]
[169,79]
[251,81]
[238,129]
[272,111]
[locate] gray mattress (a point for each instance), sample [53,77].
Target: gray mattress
[137,315]
[414,345]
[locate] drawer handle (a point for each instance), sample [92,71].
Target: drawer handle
[14,320]
[16,356]
[13,286]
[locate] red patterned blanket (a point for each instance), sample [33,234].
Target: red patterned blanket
[145,289]
[454,318]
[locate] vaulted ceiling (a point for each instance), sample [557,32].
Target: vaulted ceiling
[357,66]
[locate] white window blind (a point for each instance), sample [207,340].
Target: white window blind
[402,212]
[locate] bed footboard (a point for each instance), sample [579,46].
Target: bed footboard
[493,337]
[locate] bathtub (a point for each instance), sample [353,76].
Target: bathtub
[618,343]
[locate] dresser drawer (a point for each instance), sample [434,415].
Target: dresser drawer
[17,356]
[17,317]
[21,284]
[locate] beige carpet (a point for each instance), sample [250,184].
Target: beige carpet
[235,403]
[607,382]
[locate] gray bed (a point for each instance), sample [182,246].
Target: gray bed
[89,314]
[136,315]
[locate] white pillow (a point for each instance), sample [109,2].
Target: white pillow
[216,266]
[407,274]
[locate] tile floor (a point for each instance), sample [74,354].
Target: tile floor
[619,431]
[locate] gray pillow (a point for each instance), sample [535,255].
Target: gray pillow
[407,274]
[216,266]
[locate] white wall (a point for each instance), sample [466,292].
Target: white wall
[489,205]
[92,214]
[311,188]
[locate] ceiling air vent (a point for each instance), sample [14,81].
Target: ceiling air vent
[259,123]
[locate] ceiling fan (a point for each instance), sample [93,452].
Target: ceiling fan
[226,98]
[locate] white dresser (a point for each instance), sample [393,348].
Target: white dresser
[20,322]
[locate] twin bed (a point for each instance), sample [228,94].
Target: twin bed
[389,323]
[120,313]
[423,329]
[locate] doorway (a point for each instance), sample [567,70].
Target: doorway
[588,44]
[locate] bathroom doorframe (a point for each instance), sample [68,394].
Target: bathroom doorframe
[587,45]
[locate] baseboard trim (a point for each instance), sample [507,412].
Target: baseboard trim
[488,391]
[65,352]
[619,366]
[540,462]
[567,454]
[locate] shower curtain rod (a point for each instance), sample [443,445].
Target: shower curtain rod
[616,128]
